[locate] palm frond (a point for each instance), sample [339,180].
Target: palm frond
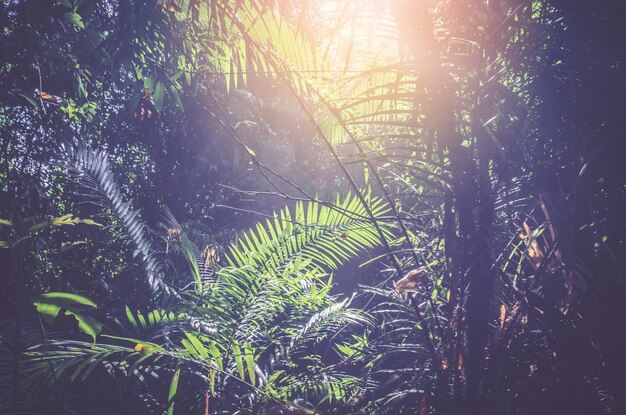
[327,322]
[324,235]
[91,169]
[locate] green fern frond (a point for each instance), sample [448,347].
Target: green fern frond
[91,169]
[326,235]
[329,385]
[326,323]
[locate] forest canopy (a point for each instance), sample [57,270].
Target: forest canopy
[312,207]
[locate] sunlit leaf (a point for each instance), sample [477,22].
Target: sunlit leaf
[171,394]
[51,305]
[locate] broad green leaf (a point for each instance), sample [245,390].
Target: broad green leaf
[62,298]
[65,220]
[212,381]
[197,344]
[249,355]
[172,392]
[75,19]
[51,304]
[238,360]
[173,91]
[130,317]
[159,94]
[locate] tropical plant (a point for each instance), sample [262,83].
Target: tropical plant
[257,334]
[488,135]
[448,119]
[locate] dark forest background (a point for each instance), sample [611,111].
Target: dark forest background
[312,207]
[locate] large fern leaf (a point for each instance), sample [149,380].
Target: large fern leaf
[91,168]
[325,235]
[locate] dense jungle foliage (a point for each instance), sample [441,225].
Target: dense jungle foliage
[312,207]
